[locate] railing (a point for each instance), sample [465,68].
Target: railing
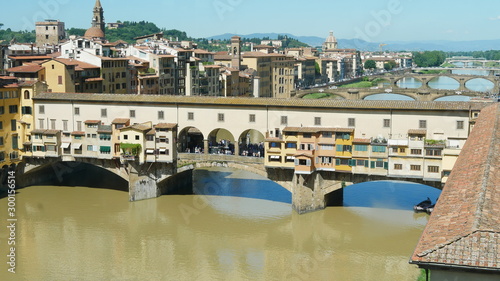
[219,158]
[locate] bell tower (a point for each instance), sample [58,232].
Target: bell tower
[98,18]
[236,52]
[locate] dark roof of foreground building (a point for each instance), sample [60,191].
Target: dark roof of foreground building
[260,102]
[464,229]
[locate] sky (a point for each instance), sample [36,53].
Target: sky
[371,20]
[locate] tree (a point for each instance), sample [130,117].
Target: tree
[1,25]
[389,65]
[370,64]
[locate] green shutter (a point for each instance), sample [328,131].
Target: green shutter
[386,165]
[352,162]
[337,162]
[372,164]
[366,163]
[340,148]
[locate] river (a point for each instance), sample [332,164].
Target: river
[239,226]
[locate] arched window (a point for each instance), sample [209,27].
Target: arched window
[26,95]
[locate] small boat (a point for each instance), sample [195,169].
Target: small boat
[423,206]
[430,209]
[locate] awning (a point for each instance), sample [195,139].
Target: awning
[290,158]
[77,146]
[163,149]
[105,149]
[65,145]
[150,151]
[274,157]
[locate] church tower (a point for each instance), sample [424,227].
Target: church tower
[98,18]
[330,43]
[236,52]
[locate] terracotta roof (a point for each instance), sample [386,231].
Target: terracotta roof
[165,126]
[304,154]
[92,122]
[417,132]
[274,140]
[362,141]
[37,131]
[95,79]
[151,132]
[120,121]
[33,68]
[94,32]
[79,65]
[78,133]
[43,57]
[261,102]
[464,228]
[51,132]
[139,127]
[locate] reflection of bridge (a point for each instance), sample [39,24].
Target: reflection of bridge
[423,93]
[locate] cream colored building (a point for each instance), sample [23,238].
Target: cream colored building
[49,32]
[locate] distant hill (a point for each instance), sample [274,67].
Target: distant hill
[441,45]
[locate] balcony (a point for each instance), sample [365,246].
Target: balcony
[127,157]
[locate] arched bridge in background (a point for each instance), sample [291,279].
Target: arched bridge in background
[423,93]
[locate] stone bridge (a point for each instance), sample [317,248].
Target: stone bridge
[150,180]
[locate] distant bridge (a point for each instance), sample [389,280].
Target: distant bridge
[467,60]
[423,93]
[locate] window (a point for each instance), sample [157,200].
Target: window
[284,120]
[150,137]
[327,134]
[1,140]
[275,144]
[137,137]
[422,124]
[78,125]
[291,145]
[26,95]
[1,125]
[94,136]
[104,112]
[13,125]
[378,148]
[415,167]
[220,117]
[2,110]
[12,108]
[77,111]
[361,162]
[317,121]
[59,80]
[65,125]
[433,169]
[402,150]
[433,152]
[90,148]
[125,137]
[387,123]
[351,122]
[416,151]
[52,124]
[161,115]
[460,125]
[252,118]
[190,115]
[41,109]
[326,146]
[394,150]
[307,135]
[26,110]
[361,147]
[41,124]
[398,166]
[132,113]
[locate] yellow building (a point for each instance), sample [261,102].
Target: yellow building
[60,75]
[9,121]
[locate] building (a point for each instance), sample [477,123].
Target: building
[96,31]
[330,43]
[49,32]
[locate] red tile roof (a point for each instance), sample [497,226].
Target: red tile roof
[165,126]
[464,229]
[92,122]
[33,68]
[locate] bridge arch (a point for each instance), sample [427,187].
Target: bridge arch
[92,173]
[397,81]
[388,96]
[479,84]
[189,139]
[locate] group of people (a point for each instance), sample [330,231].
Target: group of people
[228,148]
[252,149]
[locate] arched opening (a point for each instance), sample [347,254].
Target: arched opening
[388,194]
[221,141]
[251,143]
[479,85]
[409,83]
[388,96]
[190,141]
[26,95]
[323,95]
[444,83]
[75,174]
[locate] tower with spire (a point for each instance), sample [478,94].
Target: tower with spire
[98,18]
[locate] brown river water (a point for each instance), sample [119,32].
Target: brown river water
[81,233]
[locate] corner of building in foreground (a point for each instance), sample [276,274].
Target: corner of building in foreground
[462,238]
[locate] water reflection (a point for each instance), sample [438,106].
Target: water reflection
[409,82]
[387,96]
[78,233]
[444,83]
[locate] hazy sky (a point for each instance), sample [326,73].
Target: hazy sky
[371,20]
